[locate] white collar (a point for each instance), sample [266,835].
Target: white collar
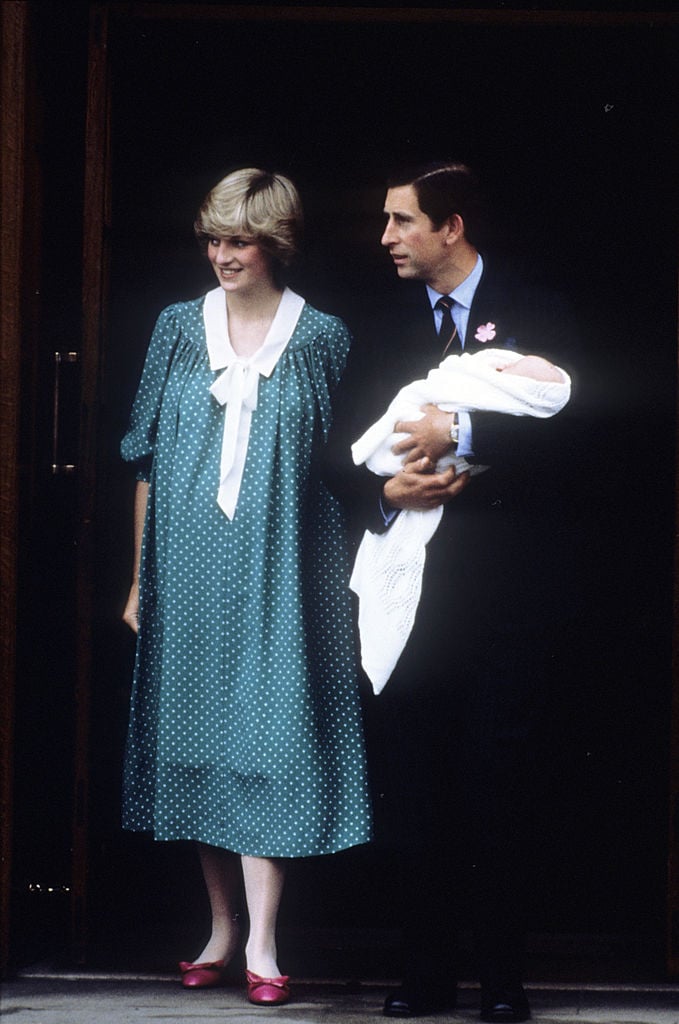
[219,346]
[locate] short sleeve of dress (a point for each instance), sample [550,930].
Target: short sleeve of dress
[338,341]
[329,357]
[138,444]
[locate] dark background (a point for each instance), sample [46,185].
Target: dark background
[572,129]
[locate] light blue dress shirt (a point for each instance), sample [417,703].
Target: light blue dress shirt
[462,297]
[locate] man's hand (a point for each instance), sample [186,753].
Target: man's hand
[428,437]
[418,488]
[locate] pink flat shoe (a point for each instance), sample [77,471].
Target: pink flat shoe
[267,991]
[202,975]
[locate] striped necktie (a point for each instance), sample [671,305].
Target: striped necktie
[447,335]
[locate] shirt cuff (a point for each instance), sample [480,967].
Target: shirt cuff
[464,444]
[388,514]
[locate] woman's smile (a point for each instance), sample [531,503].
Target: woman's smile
[234,257]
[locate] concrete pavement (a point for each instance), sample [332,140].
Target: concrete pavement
[43,997]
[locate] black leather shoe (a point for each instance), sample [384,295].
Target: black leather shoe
[410,1002]
[504,1006]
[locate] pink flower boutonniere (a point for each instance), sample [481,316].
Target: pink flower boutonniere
[486,332]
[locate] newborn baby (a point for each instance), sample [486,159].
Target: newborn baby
[493,380]
[387,573]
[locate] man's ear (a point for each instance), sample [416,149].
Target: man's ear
[455,226]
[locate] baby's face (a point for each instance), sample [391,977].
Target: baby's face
[536,368]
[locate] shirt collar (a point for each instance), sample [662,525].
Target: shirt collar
[464,293]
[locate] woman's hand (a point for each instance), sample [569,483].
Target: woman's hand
[131,613]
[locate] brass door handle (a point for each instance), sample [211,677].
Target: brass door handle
[65,413]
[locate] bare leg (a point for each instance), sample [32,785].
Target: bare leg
[264,879]
[221,871]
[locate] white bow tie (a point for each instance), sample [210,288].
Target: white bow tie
[238,386]
[237,389]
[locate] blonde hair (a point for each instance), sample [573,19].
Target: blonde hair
[254,204]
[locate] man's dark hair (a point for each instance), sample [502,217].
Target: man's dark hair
[443,189]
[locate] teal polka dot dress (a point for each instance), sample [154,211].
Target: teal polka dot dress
[245,729]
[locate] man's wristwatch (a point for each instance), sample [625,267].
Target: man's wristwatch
[455,430]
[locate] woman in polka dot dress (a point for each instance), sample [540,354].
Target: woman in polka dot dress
[245,732]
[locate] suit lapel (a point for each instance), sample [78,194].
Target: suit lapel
[416,331]
[490,320]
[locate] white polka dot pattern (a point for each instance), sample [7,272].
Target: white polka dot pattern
[245,728]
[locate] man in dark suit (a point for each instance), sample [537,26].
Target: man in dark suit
[451,732]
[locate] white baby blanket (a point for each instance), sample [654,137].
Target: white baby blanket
[387,574]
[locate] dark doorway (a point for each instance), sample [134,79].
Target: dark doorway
[568,121]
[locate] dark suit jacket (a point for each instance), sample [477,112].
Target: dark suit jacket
[495,568]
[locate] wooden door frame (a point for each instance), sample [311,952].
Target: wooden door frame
[21,222]
[672,926]
[95,314]
[14,29]
[95,278]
